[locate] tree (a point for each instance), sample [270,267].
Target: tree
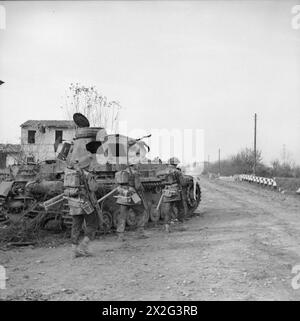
[285,169]
[244,160]
[241,163]
[97,108]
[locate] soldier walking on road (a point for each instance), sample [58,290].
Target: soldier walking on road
[81,207]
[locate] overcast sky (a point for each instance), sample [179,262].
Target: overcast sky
[206,65]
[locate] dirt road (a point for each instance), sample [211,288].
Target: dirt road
[242,245]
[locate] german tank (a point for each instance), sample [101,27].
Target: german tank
[29,184]
[109,154]
[105,155]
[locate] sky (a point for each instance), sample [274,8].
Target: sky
[207,65]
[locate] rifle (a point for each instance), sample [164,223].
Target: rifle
[59,198]
[92,198]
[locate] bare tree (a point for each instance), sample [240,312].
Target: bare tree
[241,163]
[244,160]
[97,108]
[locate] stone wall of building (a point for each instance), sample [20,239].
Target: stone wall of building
[43,147]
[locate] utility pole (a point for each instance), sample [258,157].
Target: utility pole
[219,161]
[208,163]
[255,124]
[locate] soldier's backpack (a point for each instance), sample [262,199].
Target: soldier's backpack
[122,177]
[71,182]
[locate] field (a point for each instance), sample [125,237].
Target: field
[288,184]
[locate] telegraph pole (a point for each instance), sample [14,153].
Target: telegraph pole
[255,125]
[208,163]
[219,161]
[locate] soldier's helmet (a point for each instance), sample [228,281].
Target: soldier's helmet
[174,161]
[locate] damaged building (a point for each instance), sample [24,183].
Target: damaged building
[9,154]
[42,139]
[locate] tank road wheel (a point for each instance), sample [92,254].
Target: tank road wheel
[193,203]
[53,222]
[131,217]
[107,221]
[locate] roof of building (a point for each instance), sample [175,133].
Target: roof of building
[49,123]
[10,148]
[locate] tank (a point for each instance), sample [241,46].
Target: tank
[104,155]
[12,190]
[28,185]
[107,156]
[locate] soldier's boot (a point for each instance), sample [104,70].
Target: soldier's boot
[187,213]
[183,214]
[186,210]
[167,228]
[84,247]
[180,216]
[76,251]
[141,233]
[120,237]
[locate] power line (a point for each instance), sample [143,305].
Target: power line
[208,163]
[219,161]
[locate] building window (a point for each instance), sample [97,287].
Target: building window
[58,136]
[31,136]
[30,159]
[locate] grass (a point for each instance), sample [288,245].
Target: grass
[288,183]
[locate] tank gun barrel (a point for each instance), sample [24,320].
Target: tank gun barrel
[146,136]
[138,139]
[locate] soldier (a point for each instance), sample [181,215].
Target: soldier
[79,185]
[174,194]
[131,196]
